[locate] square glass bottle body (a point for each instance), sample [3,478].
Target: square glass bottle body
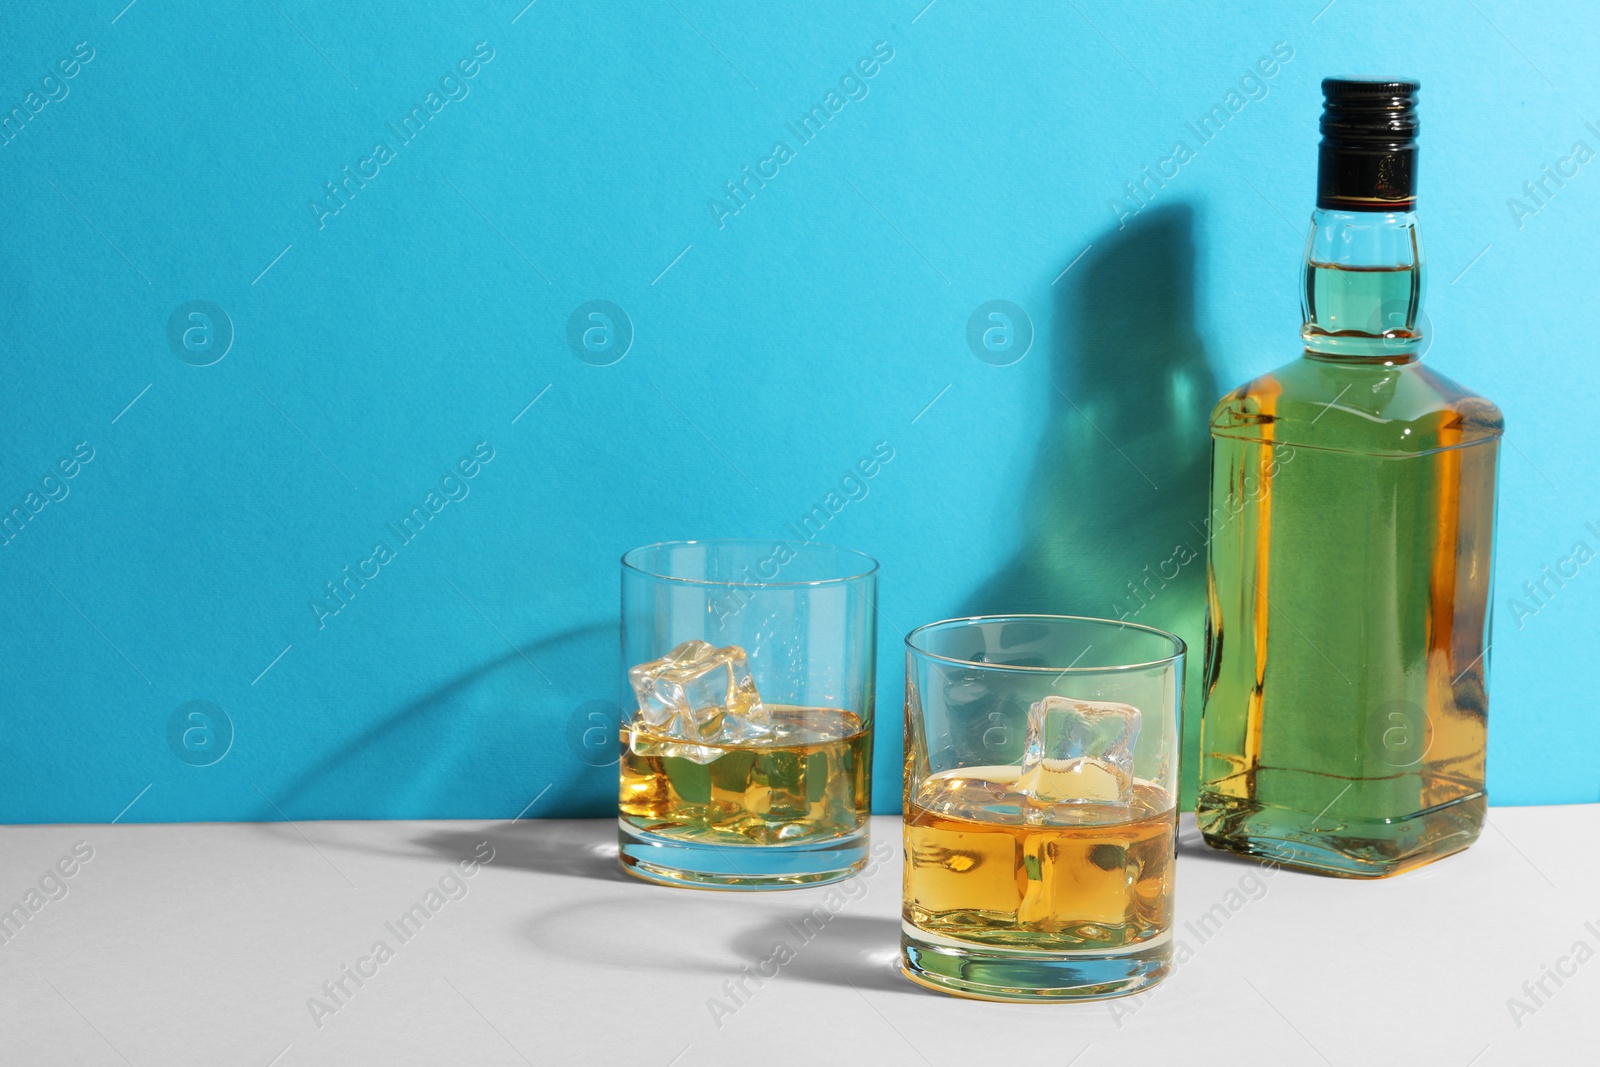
[1353,506]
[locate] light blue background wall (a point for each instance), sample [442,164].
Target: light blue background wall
[827,315]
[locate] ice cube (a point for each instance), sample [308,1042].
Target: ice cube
[1079,751]
[699,693]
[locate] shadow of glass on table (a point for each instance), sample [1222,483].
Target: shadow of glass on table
[585,849]
[811,945]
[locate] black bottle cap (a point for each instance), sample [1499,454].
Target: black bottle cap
[1368,158]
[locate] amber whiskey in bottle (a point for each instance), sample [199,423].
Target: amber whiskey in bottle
[1352,523]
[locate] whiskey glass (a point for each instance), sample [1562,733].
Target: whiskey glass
[1040,807]
[747,695]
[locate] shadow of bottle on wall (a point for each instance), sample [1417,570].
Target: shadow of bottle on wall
[1114,517]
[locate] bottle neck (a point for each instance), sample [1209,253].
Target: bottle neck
[1363,287]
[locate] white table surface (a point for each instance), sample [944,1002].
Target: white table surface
[203,943]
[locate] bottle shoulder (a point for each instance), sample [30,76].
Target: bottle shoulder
[1368,407]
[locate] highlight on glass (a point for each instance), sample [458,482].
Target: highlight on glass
[747,693]
[1040,809]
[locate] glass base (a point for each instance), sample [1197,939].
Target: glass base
[985,972]
[1347,848]
[699,865]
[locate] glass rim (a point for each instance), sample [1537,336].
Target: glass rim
[1181,649]
[870,570]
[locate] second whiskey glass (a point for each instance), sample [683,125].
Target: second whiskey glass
[1040,812]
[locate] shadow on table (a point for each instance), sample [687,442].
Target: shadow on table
[845,950]
[574,850]
[1192,849]
[670,933]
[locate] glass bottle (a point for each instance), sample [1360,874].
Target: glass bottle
[1352,518]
